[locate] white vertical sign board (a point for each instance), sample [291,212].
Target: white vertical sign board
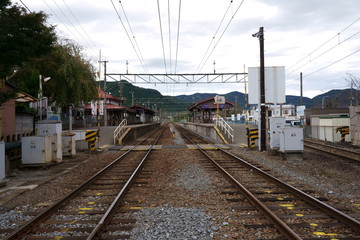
[2,160]
[101,108]
[274,85]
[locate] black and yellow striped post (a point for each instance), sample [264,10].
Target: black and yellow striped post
[252,135]
[90,136]
[343,131]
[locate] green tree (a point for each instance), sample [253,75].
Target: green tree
[72,76]
[23,37]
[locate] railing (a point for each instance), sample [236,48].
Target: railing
[225,128]
[120,130]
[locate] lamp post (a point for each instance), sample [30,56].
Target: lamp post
[40,95]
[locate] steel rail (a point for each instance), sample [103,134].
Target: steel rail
[279,224]
[112,208]
[27,227]
[351,222]
[333,153]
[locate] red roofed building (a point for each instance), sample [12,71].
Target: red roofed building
[114,109]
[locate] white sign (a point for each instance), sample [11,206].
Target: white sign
[101,108]
[219,99]
[274,85]
[93,108]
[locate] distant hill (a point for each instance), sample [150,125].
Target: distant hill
[154,99]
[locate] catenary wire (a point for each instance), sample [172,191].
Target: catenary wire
[87,35]
[326,42]
[325,52]
[162,38]
[339,60]
[177,38]
[122,23]
[132,33]
[213,38]
[25,6]
[232,17]
[169,34]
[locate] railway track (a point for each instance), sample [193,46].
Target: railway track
[87,212]
[282,208]
[342,152]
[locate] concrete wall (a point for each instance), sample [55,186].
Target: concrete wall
[205,130]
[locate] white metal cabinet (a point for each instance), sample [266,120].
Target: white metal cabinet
[291,139]
[36,150]
[68,144]
[51,128]
[275,123]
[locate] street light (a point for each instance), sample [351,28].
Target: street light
[40,96]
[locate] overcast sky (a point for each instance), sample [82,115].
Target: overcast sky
[319,38]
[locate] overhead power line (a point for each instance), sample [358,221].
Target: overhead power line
[122,23]
[326,42]
[325,51]
[25,6]
[162,38]
[169,34]
[222,34]
[177,38]
[339,60]
[213,38]
[133,35]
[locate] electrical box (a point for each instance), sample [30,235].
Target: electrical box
[36,150]
[68,144]
[291,139]
[80,143]
[275,123]
[2,160]
[53,129]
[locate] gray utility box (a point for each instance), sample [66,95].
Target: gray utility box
[275,123]
[2,161]
[68,144]
[53,129]
[291,139]
[36,150]
[80,143]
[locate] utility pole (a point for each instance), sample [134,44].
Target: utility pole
[262,92]
[301,88]
[105,113]
[214,67]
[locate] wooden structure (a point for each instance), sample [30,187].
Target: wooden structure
[204,111]
[143,114]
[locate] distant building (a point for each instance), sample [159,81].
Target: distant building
[15,124]
[204,111]
[116,112]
